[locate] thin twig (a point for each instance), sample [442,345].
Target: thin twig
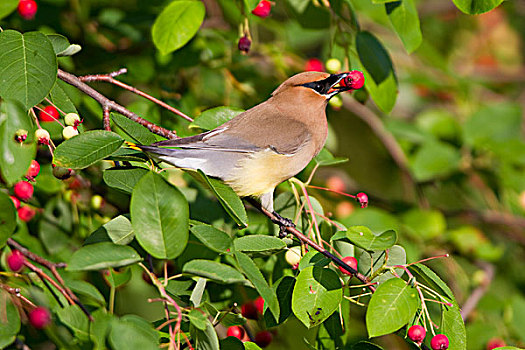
[477,294]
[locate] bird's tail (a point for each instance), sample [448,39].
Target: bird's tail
[133,146]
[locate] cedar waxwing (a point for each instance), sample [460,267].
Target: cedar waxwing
[269,143]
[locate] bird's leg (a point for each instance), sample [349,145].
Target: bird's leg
[283,223]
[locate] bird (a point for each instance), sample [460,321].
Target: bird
[267,144]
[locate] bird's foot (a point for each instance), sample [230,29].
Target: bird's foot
[283,224]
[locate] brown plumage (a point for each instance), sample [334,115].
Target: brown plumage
[267,144]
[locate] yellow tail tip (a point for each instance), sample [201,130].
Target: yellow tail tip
[132,145]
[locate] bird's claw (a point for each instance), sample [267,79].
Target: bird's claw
[283,224]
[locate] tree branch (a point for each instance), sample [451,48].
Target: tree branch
[474,298]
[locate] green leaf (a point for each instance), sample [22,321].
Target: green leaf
[9,320]
[435,159]
[198,291]
[197,319]
[14,157]
[476,7]
[425,223]
[298,5]
[432,280]
[255,276]
[213,270]
[6,7]
[403,16]
[59,42]
[231,343]
[325,158]
[136,131]
[251,4]
[364,238]
[73,317]
[119,229]
[160,217]
[177,24]
[100,328]
[86,290]
[61,99]
[228,199]
[392,306]
[86,149]
[207,339]
[316,295]
[123,178]
[29,67]
[215,239]
[101,256]
[118,278]
[7,218]
[453,326]
[132,332]
[364,345]
[214,117]
[396,256]
[283,289]
[259,244]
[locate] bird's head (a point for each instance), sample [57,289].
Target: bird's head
[319,86]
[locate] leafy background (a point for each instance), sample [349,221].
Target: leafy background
[438,145]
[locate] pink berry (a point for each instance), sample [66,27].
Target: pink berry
[314,65]
[23,190]
[244,44]
[25,213]
[350,261]
[15,261]
[263,339]
[16,201]
[34,169]
[20,135]
[249,310]
[27,9]
[354,80]
[362,198]
[263,9]
[439,342]
[39,317]
[49,114]
[235,331]
[495,343]
[42,136]
[417,333]
[259,305]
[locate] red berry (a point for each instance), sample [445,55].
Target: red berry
[39,317]
[20,135]
[259,305]
[354,80]
[33,170]
[235,331]
[249,310]
[262,9]
[23,190]
[27,9]
[49,114]
[263,339]
[350,261]
[495,343]
[362,198]
[15,261]
[16,201]
[314,65]
[244,44]
[417,333]
[25,213]
[439,342]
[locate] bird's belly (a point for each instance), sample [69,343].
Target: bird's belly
[262,171]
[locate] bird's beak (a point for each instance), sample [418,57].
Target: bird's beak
[334,85]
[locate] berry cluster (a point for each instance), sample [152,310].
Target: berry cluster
[252,310]
[417,334]
[23,192]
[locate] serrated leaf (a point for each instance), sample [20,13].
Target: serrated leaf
[119,229]
[212,238]
[86,149]
[136,131]
[102,255]
[259,243]
[214,117]
[29,67]
[476,7]
[255,276]
[14,157]
[177,24]
[213,270]
[228,199]
[391,307]
[403,16]
[160,217]
[364,238]
[317,294]
[123,178]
